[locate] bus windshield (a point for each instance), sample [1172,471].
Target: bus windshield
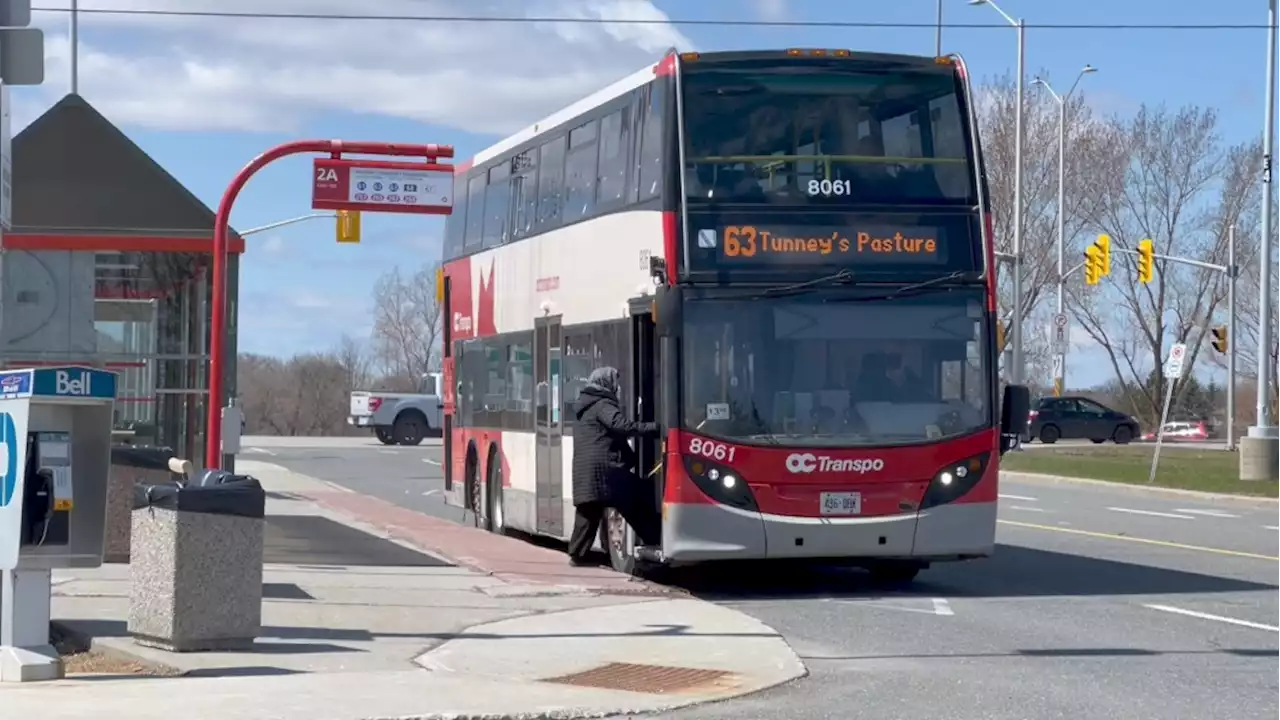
[825,131]
[823,369]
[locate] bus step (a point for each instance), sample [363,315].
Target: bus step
[649,553]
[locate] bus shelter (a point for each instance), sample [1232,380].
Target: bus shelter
[106,264]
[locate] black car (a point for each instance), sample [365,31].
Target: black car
[1079,418]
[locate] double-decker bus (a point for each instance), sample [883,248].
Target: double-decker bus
[788,255]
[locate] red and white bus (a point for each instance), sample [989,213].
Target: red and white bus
[789,257]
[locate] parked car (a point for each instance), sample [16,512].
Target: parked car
[1079,418]
[1182,430]
[400,418]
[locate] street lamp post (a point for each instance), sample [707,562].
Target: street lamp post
[1015,319]
[1260,455]
[1059,382]
[282,223]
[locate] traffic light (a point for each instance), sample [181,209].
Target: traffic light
[1146,261]
[1220,339]
[1103,243]
[1092,265]
[348,226]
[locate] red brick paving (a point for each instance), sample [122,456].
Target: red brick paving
[509,559]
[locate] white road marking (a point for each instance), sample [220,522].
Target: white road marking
[1216,618]
[1024,498]
[1025,508]
[429,461]
[1152,513]
[1206,513]
[258,450]
[1272,527]
[939,606]
[389,452]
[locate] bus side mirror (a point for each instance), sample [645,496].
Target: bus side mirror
[668,310]
[1014,413]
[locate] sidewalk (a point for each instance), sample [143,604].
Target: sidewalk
[359,622]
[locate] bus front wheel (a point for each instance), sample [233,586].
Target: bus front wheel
[895,573]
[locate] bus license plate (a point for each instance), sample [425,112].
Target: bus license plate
[841,503]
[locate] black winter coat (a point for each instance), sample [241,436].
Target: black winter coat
[602,459]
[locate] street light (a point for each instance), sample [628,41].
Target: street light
[1015,320]
[1060,380]
[1264,426]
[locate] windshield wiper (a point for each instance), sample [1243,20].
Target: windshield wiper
[844,277]
[912,288]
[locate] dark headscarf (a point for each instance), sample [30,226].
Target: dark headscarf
[606,379]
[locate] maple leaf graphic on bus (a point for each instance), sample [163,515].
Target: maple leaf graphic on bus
[485,325]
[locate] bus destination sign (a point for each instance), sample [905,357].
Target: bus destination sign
[823,245]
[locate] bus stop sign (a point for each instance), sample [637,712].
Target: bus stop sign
[382,186]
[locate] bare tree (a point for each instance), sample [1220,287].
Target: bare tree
[406,326]
[1173,182]
[997,103]
[354,358]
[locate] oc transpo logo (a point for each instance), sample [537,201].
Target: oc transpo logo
[808,462]
[8,459]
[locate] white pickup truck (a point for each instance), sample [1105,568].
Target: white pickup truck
[401,418]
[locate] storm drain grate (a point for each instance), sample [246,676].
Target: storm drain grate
[653,679]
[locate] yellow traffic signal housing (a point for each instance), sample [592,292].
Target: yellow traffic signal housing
[1092,265]
[1146,261]
[1103,243]
[348,230]
[1220,339]
[999,336]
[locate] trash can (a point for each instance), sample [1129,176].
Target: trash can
[130,465]
[196,568]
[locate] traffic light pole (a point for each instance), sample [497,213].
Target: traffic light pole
[1232,272]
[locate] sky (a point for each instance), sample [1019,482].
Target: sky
[204,95]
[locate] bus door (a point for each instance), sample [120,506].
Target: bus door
[549,426]
[643,375]
[449,378]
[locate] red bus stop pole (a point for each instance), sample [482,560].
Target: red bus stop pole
[218,316]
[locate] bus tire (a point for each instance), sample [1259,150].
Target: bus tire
[472,500]
[495,520]
[410,428]
[613,538]
[895,572]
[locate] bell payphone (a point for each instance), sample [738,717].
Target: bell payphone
[55,457]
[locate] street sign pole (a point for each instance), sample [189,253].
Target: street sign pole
[437,205]
[1061,335]
[1173,371]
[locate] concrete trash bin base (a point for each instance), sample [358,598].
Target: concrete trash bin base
[196,566]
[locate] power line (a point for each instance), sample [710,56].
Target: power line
[638,21]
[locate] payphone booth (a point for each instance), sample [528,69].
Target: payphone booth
[55,459]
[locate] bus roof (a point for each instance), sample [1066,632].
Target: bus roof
[648,72]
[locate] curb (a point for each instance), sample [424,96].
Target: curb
[430,664]
[1043,479]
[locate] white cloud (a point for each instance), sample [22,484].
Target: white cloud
[771,9]
[194,73]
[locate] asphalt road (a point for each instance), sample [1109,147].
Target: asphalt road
[1099,603]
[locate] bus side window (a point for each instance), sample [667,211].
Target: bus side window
[614,136]
[475,212]
[580,172]
[650,154]
[550,182]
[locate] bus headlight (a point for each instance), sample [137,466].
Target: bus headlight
[954,480]
[720,483]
